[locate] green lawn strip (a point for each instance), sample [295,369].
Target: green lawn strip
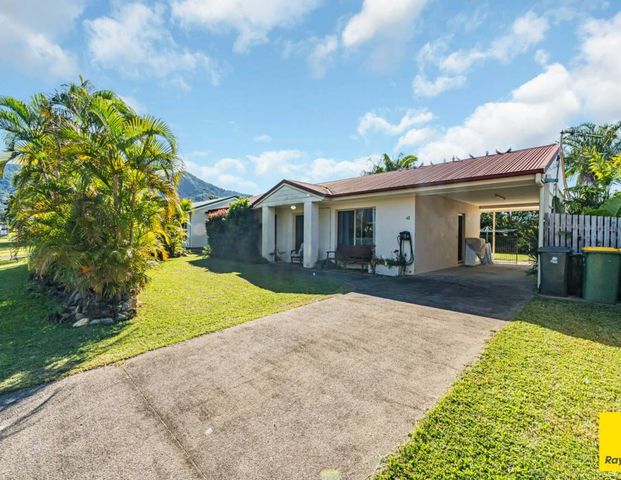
[529,407]
[186,297]
[512,257]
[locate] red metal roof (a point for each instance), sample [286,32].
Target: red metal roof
[499,165]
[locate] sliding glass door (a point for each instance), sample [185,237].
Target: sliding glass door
[356,227]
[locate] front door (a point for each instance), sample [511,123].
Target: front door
[299,231]
[461,236]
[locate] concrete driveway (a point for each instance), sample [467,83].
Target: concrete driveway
[334,385]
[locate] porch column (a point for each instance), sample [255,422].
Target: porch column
[267,232]
[311,233]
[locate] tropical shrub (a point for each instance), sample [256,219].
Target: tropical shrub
[592,164]
[233,233]
[174,234]
[387,164]
[610,208]
[95,191]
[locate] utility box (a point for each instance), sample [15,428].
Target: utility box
[554,265]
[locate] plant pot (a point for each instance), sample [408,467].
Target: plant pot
[389,271]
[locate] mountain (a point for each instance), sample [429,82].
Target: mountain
[189,187]
[196,189]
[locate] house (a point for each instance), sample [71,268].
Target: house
[439,205]
[196,226]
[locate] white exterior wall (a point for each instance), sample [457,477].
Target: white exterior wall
[197,235]
[197,224]
[392,215]
[436,231]
[325,232]
[286,231]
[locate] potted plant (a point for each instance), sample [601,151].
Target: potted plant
[391,267]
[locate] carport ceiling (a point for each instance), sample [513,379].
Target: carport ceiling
[516,198]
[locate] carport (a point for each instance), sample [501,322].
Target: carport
[453,211]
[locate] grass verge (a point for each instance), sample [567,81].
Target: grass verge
[186,297]
[529,407]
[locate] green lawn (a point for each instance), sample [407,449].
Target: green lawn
[6,248]
[511,257]
[528,409]
[186,297]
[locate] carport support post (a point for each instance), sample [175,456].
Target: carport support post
[493,233]
[543,208]
[268,215]
[311,233]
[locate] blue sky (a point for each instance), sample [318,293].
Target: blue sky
[257,91]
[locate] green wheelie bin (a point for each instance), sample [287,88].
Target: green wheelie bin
[601,274]
[554,264]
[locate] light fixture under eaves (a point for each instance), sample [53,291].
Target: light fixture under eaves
[293,207]
[499,196]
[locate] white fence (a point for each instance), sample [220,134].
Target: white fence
[578,231]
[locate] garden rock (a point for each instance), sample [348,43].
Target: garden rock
[81,323]
[102,321]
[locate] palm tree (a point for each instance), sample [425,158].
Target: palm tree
[593,162]
[97,183]
[387,164]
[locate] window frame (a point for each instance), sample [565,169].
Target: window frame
[355,224]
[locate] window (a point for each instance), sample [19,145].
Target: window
[356,227]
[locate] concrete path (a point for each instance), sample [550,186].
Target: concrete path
[336,384]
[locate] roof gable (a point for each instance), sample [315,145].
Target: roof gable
[289,191]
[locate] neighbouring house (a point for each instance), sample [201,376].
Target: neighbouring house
[440,205]
[196,227]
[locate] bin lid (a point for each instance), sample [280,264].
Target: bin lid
[601,250]
[554,250]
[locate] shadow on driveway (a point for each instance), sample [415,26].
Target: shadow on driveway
[496,291]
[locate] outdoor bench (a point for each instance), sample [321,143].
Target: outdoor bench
[351,254]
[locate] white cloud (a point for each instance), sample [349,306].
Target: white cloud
[322,169]
[421,87]
[135,41]
[133,103]
[270,167]
[225,173]
[542,57]
[251,19]
[371,122]
[526,31]
[597,76]
[322,55]
[29,34]
[535,113]
[387,26]
[379,18]
[263,137]
[538,109]
[415,136]
[282,162]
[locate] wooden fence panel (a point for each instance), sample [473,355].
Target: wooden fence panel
[579,231]
[576,238]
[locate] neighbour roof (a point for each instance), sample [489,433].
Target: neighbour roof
[211,201]
[499,165]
